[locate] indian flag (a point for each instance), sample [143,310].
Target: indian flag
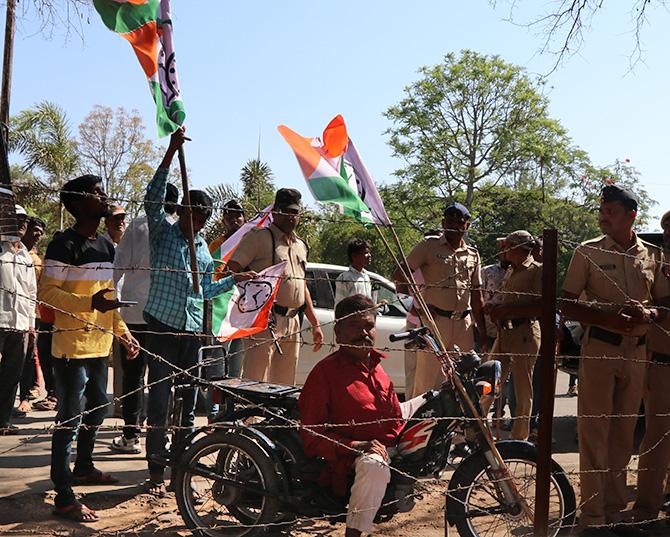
[222,252]
[245,309]
[335,172]
[147,26]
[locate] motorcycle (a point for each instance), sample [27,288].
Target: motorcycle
[248,473]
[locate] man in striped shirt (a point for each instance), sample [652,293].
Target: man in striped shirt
[77,282]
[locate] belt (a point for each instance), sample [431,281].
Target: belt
[612,337]
[287,312]
[448,314]
[508,324]
[660,358]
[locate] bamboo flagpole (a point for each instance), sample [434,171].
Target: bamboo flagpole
[188,211]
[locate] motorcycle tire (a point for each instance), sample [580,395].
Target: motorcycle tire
[212,509]
[470,488]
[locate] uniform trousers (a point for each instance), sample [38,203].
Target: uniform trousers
[655,448]
[428,374]
[611,383]
[518,347]
[261,359]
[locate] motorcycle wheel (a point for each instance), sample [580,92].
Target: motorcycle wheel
[210,508]
[474,506]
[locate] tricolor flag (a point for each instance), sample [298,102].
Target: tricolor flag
[147,26]
[222,253]
[245,309]
[335,172]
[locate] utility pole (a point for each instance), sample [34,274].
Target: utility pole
[6,89]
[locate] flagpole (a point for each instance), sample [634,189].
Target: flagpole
[189,220]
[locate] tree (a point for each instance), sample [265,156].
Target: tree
[113,145]
[220,194]
[42,136]
[470,122]
[563,24]
[257,183]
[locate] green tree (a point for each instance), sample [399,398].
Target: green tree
[472,121]
[257,184]
[112,144]
[220,194]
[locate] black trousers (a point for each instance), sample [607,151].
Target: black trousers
[133,372]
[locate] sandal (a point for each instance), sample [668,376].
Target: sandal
[155,488]
[96,477]
[76,512]
[45,404]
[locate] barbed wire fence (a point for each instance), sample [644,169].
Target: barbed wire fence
[430,486]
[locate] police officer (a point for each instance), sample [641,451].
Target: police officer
[655,448]
[259,249]
[619,277]
[452,273]
[516,317]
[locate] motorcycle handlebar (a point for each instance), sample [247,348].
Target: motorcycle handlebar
[409,334]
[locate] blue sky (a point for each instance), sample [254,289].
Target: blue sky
[246,66]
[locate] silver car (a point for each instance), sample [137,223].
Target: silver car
[392,317]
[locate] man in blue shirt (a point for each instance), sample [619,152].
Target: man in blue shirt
[173,306]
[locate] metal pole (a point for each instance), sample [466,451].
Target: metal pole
[547,385]
[189,221]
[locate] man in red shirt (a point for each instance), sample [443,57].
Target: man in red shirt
[350,387]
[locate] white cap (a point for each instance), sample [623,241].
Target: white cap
[20,210]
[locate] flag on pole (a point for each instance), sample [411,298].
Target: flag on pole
[245,309]
[335,172]
[222,252]
[147,26]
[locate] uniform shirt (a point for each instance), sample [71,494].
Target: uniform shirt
[609,275]
[352,282]
[255,253]
[75,268]
[492,279]
[341,389]
[18,288]
[658,337]
[131,262]
[523,284]
[450,275]
[171,298]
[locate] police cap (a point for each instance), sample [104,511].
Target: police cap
[232,206]
[287,198]
[665,219]
[520,238]
[611,193]
[457,207]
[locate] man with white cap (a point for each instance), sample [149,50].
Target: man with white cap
[115,224]
[18,293]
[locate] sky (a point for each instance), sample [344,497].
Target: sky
[246,67]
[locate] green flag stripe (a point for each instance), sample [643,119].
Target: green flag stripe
[220,306]
[124,18]
[337,190]
[167,121]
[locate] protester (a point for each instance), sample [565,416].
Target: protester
[655,447]
[262,248]
[174,306]
[351,386]
[355,280]
[132,279]
[17,317]
[115,224]
[29,388]
[76,279]
[452,274]
[516,317]
[619,277]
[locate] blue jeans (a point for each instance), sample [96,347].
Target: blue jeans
[76,380]
[181,352]
[234,352]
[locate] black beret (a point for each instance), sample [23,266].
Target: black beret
[616,193]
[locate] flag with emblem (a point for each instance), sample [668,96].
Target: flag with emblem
[335,172]
[245,309]
[147,26]
[223,251]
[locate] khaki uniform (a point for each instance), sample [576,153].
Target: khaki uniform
[519,340]
[655,448]
[255,252]
[450,276]
[609,276]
